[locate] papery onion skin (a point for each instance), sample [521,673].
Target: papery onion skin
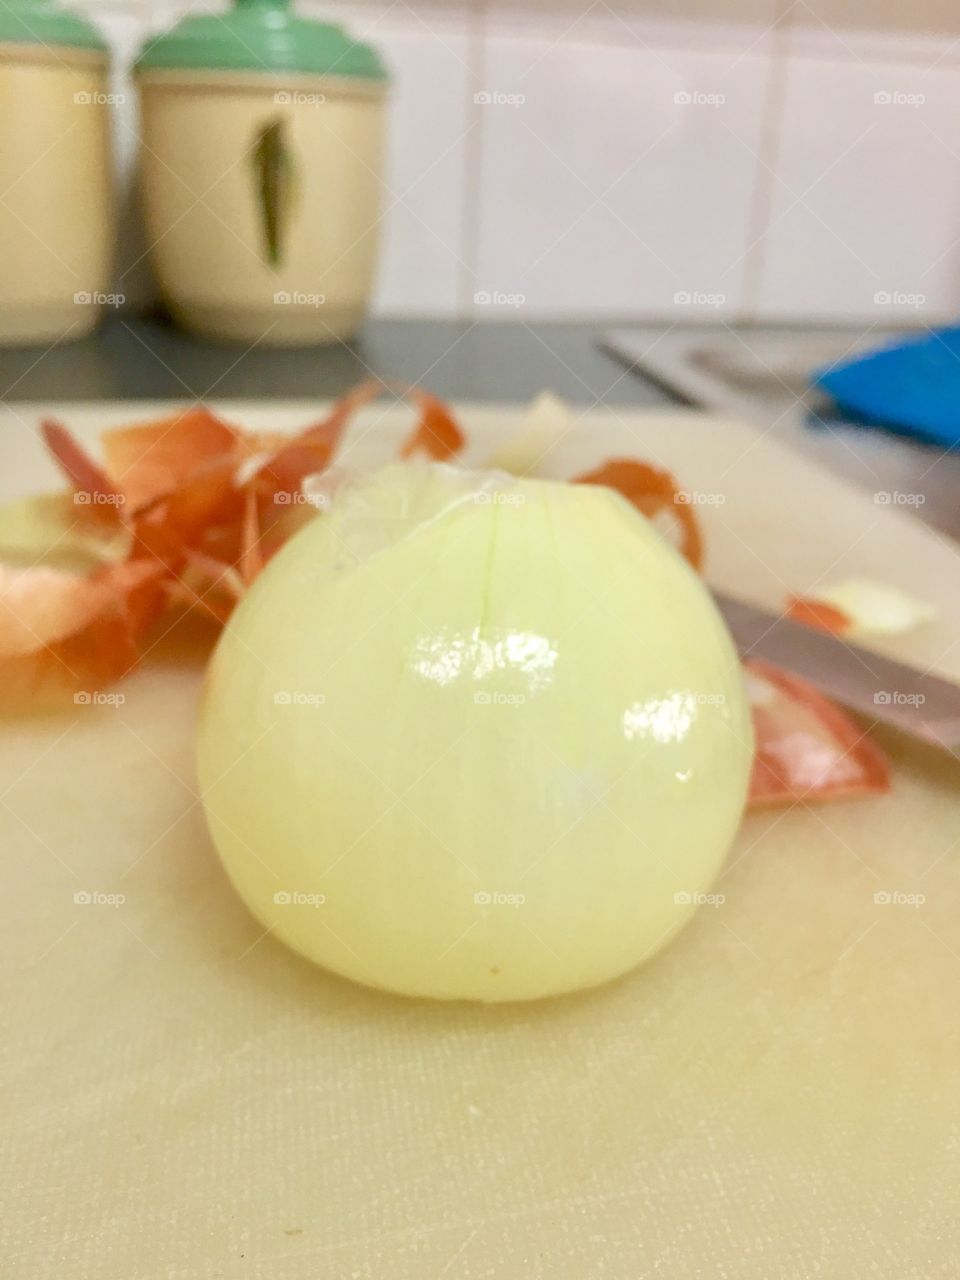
[485,745]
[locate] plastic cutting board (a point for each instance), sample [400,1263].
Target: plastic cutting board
[775,1096]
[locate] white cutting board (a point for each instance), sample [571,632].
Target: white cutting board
[774,1096]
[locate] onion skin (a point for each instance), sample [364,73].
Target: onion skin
[475,745]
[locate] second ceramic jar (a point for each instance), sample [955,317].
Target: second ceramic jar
[56,201]
[262,144]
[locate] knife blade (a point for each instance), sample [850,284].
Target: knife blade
[880,688]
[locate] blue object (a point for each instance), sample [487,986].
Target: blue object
[911,386]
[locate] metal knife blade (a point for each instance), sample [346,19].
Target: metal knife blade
[881,689]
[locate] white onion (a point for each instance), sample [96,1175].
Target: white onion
[475,740]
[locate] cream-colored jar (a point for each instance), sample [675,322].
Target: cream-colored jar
[56,208]
[262,152]
[232,260]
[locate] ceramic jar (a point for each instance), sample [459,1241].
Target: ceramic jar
[261,170]
[56,214]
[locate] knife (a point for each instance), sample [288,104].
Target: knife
[915,702]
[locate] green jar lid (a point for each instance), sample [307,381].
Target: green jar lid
[43,22]
[261,35]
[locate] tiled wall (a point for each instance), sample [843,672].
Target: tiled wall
[563,158]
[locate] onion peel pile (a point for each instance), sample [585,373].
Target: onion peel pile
[185,511]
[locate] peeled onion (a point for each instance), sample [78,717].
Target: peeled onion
[475,738]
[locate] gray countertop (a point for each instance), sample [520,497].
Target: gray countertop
[144,358]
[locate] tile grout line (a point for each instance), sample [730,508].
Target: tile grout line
[472,167]
[778,71]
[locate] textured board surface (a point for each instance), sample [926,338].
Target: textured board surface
[774,1095]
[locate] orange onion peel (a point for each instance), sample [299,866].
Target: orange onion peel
[654,493]
[85,475]
[817,614]
[62,632]
[437,434]
[806,746]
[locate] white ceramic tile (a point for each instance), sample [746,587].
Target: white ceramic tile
[917,46]
[866,200]
[616,180]
[894,15]
[427,48]
[691,24]
[422,257]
